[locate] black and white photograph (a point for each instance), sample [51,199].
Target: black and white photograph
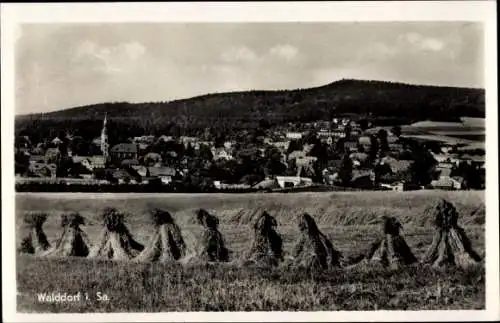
[217,165]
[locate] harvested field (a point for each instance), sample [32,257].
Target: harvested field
[351,221]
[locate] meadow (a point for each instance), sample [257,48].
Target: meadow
[350,219]
[470,131]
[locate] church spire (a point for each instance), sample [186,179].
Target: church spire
[104,138]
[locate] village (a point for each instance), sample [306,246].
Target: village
[338,153]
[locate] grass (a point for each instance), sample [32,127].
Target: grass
[155,287]
[350,220]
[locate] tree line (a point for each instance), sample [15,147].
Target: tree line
[392,102]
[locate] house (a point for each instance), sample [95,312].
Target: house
[185,140]
[267,141]
[397,186]
[392,140]
[143,146]
[197,145]
[396,147]
[35,159]
[459,182]
[355,133]
[345,121]
[445,164]
[166,174]
[79,159]
[338,133]
[171,154]
[329,176]
[144,139]
[281,145]
[141,170]
[122,176]
[125,151]
[229,145]
[400,186]
[84,162]
[56,141]
[293,181]
[362,178]
[447,183]
[97,161]
[217,184]
[444,172]
[365,141]
[396,165]
[165,138]
[305,160]
[294,135]
[53,154]
[329,141]
[38,150]
[473,158]
[129,162]
[97,141]
[297,154]
[360,157]
[43,169]
[350,145]
[221,154]
[307,148]
[324,133]
[81,162]
[151,181]
[152,159]
[446,158]
[81,168]
[232,186]
[446,149]
[267,184]
[326,137]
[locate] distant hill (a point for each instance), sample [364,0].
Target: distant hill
[245,109]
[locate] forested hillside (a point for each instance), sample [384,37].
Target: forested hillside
[225,111]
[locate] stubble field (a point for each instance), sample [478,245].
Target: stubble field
[350,220]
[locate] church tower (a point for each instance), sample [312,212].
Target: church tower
[104,138]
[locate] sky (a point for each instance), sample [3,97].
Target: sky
[61,66]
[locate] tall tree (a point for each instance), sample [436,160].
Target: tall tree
[339,146]
[348,130]
[320,151]
[471,173]
[345,171]
[382,138]
[396,130]
[374,147]
[363,124]
[294,145]
[421,169]
[205,153]
[274,167]
[189,151]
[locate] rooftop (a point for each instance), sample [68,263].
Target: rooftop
[162,171]
[124,148]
